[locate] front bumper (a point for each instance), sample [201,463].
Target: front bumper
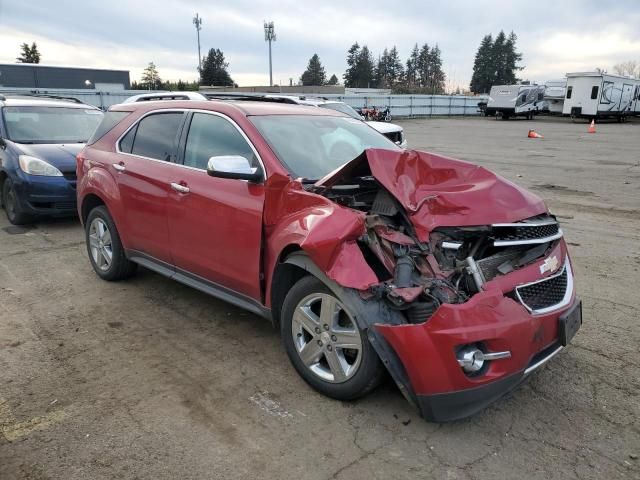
[51,196]
[492,318]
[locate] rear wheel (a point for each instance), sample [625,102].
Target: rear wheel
[324,343]
[12,206]
[105,249]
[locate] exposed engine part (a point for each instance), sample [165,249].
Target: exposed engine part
[472,269]
[420,312]
[403,272]
[384,204]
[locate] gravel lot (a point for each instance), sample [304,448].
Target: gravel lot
[149,379]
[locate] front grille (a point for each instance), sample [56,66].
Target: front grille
[549,293]
[395,137]
[64,205]
[536,230]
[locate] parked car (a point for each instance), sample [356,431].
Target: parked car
[366,256]
[393,132]
[39,140]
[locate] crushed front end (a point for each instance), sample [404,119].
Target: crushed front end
[476,306]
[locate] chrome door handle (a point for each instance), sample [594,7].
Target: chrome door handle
[119,167]
[179,188]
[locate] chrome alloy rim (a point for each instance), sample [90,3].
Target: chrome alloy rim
[326,338]
[100,244]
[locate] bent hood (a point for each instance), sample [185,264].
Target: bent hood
[438,191]
[62,155]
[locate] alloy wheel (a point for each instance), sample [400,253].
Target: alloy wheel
[326,338]
[100,244]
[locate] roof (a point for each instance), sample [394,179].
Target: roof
[39,65]
[38,101]
[597,74]
[143,97]
[246,107]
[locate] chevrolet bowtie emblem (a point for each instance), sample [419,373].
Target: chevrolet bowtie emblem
[550,265]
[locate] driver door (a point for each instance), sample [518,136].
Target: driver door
[215,224]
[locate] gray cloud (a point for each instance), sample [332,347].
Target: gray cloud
[553,36]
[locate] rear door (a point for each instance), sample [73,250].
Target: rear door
[215,224]
[145,155]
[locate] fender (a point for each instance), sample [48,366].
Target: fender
[95,180]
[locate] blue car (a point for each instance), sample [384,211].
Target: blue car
[39,140]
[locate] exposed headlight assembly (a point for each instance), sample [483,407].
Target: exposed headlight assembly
[36,166]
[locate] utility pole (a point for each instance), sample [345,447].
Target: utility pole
[197,21]
[269,36]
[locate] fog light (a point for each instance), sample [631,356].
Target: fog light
[472,359]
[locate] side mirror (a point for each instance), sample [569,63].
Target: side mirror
[233,166]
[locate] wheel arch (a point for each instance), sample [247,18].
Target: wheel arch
[89,202]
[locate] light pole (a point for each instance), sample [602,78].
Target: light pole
[197,21]
[269,36]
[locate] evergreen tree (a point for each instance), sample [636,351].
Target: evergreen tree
[483,72]
[314,74]
[511,59]
[333,80]
[411,76]
[423,66]
[151,78]
[395,70]
[499,58]
[29,54]
[382,70]
[435,83]
[214,69]
[351,75]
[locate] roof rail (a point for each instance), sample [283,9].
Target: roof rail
[256,97]
[46,95]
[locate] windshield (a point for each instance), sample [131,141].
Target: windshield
[30,124]
[343,108]
[312,146]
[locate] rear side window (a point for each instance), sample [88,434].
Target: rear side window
[211,136]
[569,91]
[109,120]
[155,136]
[594,92]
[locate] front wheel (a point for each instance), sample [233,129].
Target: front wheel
[105,249]
[12,205]
[324,343]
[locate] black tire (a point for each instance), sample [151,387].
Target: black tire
[120,267]
[370,370]
[11,205]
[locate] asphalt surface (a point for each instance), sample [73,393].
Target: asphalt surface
[148,379]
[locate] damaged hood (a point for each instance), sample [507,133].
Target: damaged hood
[438,191]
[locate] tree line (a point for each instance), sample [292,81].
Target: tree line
[495,63]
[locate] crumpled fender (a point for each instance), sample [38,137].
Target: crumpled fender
[324,230]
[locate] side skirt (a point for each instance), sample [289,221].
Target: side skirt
[199,283]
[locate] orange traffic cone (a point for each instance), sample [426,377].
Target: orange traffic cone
[592,127]
[534,134]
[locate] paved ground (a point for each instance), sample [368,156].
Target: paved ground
[148,379]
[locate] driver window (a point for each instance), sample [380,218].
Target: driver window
[211,136]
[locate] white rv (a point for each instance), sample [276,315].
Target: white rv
[636,99]
[513,100]
[554,92]
[597,95]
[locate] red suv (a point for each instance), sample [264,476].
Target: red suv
[366,256]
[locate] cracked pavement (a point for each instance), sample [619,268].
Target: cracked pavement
[149,379]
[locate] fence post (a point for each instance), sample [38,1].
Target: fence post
[410,106]
[450,103]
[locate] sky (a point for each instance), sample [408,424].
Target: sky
[555,37]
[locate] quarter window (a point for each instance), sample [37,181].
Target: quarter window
[155,136]
[211,136]
[569,92]
[594,92]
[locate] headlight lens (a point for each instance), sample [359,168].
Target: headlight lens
[36,166]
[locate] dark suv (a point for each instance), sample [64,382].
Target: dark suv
[366,256]
[39,140]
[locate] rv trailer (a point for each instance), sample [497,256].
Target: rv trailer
[635,109]
[515,100]
[554,92]
[596,95]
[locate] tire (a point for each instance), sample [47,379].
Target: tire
[102,238]
[12,206]
[340,373]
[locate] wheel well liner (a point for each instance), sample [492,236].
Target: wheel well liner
[90,202]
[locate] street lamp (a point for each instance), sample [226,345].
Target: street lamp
[269,36]
[197,21]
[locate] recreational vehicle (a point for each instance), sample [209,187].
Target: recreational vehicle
[598,95]
[513,100]
[554,92]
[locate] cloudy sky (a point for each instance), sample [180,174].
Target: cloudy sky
[555,37]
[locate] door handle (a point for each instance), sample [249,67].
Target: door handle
[119,167]
[179,188]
